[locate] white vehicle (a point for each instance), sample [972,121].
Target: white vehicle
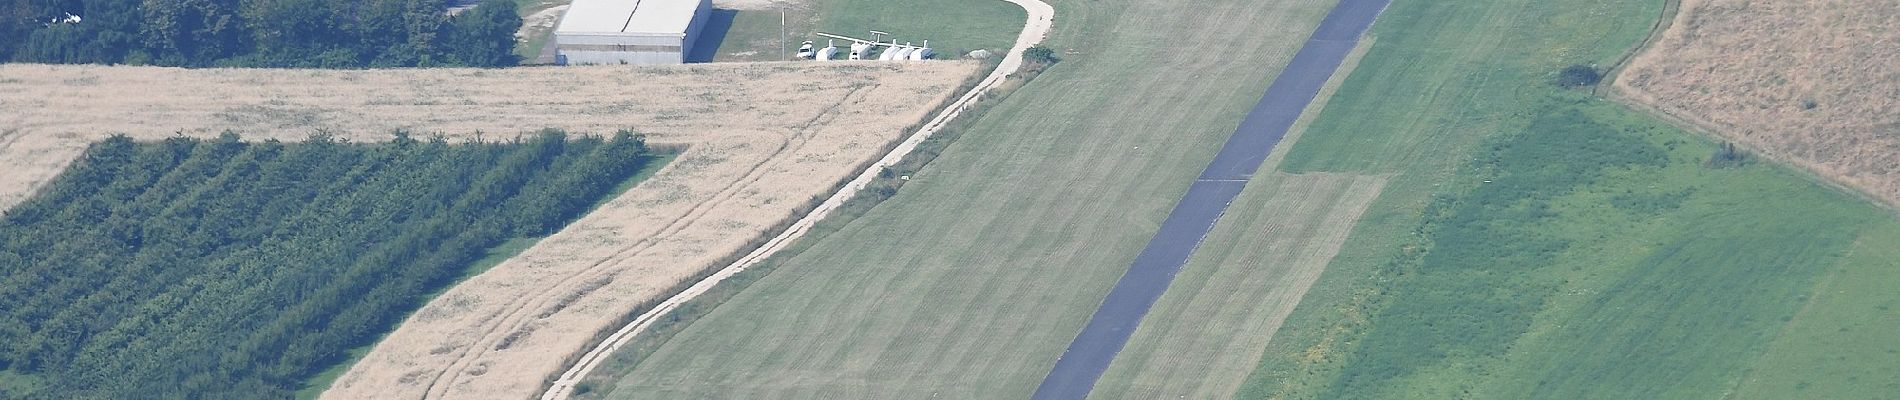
[805,51]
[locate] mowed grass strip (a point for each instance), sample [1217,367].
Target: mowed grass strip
[1840,345]
[972,279]
[1537,242]
[1206,334]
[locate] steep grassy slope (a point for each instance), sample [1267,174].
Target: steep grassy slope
[1540,243]
[204,269]
[971,280]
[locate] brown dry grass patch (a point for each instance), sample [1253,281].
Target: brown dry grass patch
[762,140]
[1815,83]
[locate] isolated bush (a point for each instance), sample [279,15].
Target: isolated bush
[1728,156]
[1039,54]
[1579,75]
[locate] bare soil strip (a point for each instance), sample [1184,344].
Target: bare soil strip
[1809,82]
[760,140]
[1041,19]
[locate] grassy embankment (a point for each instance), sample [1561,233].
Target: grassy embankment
[1538,242]
[970,281]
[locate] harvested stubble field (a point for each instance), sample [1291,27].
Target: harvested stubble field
[762,139]
[1812,82]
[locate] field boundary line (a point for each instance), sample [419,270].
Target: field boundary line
[1656,31]
[1615,89]
[1036,27]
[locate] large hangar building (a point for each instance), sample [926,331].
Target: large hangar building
[629,31]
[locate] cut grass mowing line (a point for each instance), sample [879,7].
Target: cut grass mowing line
[1840,346]
[1538,273]
[1441,77]
[971,280]
[1035,29]
[602,381]
[1207,333]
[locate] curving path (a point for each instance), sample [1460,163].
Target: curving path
[1089,355]
[1035,28]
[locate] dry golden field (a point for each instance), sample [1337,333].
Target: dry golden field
[762,140]
[1813,82]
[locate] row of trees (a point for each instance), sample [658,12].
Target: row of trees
[219,268]
[259,33]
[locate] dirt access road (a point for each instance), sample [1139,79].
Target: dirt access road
[764,139]
[1041,19]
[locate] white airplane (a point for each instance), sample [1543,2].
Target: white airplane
[891,52]
[829,52]
[922,53]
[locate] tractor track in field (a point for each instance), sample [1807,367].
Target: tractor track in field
[516,321]
[1037,25]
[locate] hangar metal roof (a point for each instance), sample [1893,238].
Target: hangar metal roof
[629,16]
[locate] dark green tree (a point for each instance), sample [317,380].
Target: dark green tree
[484,36]
[192,32]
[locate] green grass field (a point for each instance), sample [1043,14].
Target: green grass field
[1540,243]
[1840,344]
[1527,241]
[972,279]
[953,27]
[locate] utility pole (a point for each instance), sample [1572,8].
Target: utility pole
[781,36]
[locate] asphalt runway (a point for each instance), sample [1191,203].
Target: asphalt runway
[1206,200]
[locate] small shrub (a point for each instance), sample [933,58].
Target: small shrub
[1728,156]
[1579,75]
[1042,55]
[584,387]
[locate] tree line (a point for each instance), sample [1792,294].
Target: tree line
[218,268]
[259,33]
